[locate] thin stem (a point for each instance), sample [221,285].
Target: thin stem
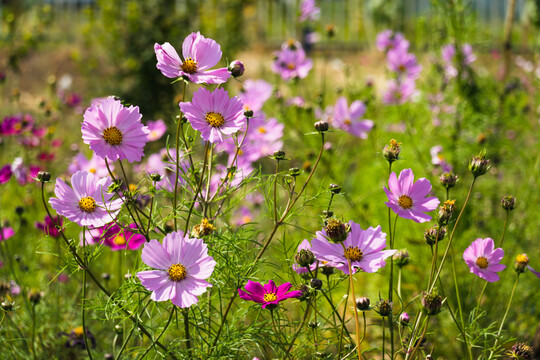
[383,338]
[481,295]
[276,332]
[504,228]
[151,208]
[206,196]
[34,331]
[186,329]
[177,155]
[298,329]
[83,300]
[198,187]
[275,191]
[343,317]
[356,321]
[173,310]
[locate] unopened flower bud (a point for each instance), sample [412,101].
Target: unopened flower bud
[334,188]
[316,283]
[279,155]
[522,260]
[521,351]
[401,258]
[7,305]
[44,176]
[404,319]
[327,214]
[434,234]
[362,303]
[19,210]
[384,308]
[118,329]
[321,126]
[304,290]
[236,68]
[391,151]
[432,303]
[155,177]
[304,258]
[294,172]
[330,30]
[445,212]
[248,113]
[313,324]
[336,230]
[479,165]
[448,180]
[327,270]
[508,202]
[35,296]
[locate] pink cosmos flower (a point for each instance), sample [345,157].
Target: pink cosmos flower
[243,216]
[348,118]
[182,264]
[268,295]
[304,245]
[5,174]
[199,53]
[115,237]
[292,63]
[254,94]
[214,114]
[96,165]
[364,249]
[156,129]
[449,58]
[114,131]
[87,202]
[308,10]
[17,124]
[438,159]
[408,198]
[388,40]
[6,233]
[398,93]
[403,63]
[164,165]
[49,226]
[537,273]
[483,260]
[24,174]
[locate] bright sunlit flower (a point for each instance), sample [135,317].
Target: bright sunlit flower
[115,237]
[268,295]
[483,260]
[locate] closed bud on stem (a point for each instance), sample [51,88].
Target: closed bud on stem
[7,305]
[401,258]
[313,324]
[316,283]
[330,30]
[321,126]
[521,262]
[248,113]
[434,234]
[334,189]
[508,202]
[521,351]
[236,68]
[432,303]
[304,289]
[294,172]
[35,296]
[391,151]
[445,212]
[155,177]
[304,258]
[44,176]
[448,180]
[279,155]
[404,319]
[479,165]
[336,230]
[384,308]
[362,303]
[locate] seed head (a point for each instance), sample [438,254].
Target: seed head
[432,302]
[44,176]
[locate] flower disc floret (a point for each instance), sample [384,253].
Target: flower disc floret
[189,66]
[405,202]
[353,253]
[482,262]
[112,135]
[87,204]
[177,272]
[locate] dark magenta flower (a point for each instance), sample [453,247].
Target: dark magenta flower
[6,233]
[48,226]
[269,295]
[115,237]
[5,174]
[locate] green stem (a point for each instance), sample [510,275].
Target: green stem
[343,317]
[298,329]
[504,228]
[173,310]
[198,187]
[186,329]
[34,331]
[278,336]
[83,300]
[177,155]
[356,321]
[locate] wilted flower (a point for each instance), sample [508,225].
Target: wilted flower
[445,212]
[268,295]
[182,264]
[204,228]
[521,351]
[336,231]
[483,260]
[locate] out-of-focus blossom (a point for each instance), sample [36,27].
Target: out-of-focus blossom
[6,233]
[5,174]
[254,94]
[164,165]
[96,165]
[438,159]
[399,92]
[24,174]
[17,124]
[157,129]
[450,59]
[403,63]
[115,237]
[308,10]
[388,40]
[292,63]
[48,226]
[348,118]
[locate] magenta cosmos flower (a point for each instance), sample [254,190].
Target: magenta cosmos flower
[254,94]
[364,249]
[96,165]
[399,92]
[49,226]
[388,40]
[349,118]
[5,174]
[269,295]
[214,114]
[6,233]
[308,11]
[408,198]
[182,264]
[200,54]
[115,237]
[291,63]
[483,260]
[403,63]
[87,202]
[114,131]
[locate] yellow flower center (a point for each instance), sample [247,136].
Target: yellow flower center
[482,262]
[405,201]
[132,187]
[394,143]
[177,272]
[291,66]
[189,66]
[353,253]
[246,218]
[262,130]
[522,259]
[87,204]
[112,135]
[153,134]
[240,152]
[120,239]
[269,297]
[214,119]
[92,170]
[78,331]
[347,121]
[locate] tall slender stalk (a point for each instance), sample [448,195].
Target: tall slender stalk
[177,155]
[356,320]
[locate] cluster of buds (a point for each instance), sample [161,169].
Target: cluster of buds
[434,234]
[391,151]
[336,231]
[508,202]
[304,258]
[522,260]
[445,212]
[432,303]
[401,258]
[479,165]
[448,180]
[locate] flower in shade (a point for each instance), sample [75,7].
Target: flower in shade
[268,295]
[348,118]
[6,233]
[199,53]
[363,248]
[48,226]
[5,174]
[182,264]
[407,198]
[308,10]
[115,237]
[304,254]
[96,165]
[292,63]
[156,129]
[214,114]
[483,260]
[114,131]
[86,202]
